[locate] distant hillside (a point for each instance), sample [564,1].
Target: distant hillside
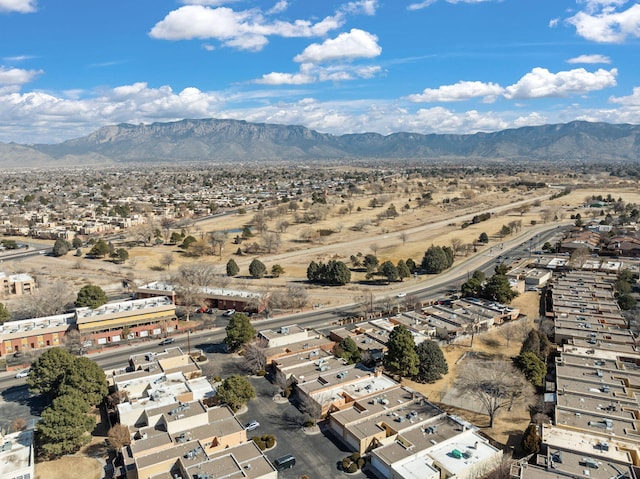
[233,141]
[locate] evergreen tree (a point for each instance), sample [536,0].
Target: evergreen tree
[48,371]
[60,247]
[235,391]
[484,238]
[432,363]
[92,296]
[86,378]
[257,269]
[277,270]
[239,331]
[401,357]
[5,315]
[232,268]
[533,368]
[65,426]
[100,249]
[531,440]
[497,288]
[348,349]
[435,260]
[403,270]
[389,271]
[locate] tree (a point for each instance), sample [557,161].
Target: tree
[65,426]
[239,331]
[348,349]
[232,268]
[537,343]
[5,315]
[432,363]
[50,298]
[76,242]
[626,302]
[401,357]
[494,385]
[484,238]
[531,440]
[474,285]
[389,271]
[235,391]
[86,378]
[257,269]
[119,436]
[60,247]
[497,288]
[333,273]
[48,371]
[277,270]
[403,270]
[100,249]
[253,354]
[167,260]
[435,260]
[370,263]
[533,368]
[92,296]
[120,255]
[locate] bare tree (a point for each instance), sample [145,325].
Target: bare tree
[119,436]
[309,407]
[404,237]
[496,385]
[190,281]
[271,242]
[167,260]
[254,354]
[508,332]
[456,245]
[374,247]
[49,299]
[217,240]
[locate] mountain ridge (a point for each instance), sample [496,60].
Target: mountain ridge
[220,140]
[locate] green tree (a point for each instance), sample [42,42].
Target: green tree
[537,343]
[100,249]
[48,371]
[497,288]
[484,238]
[431,362]
[60,247]
[533,368]
[626,302]
[348,349]
[389,271]
[232,268]
[120,255]
[239,331]
[235,391]
[403,270]
[175,238]
[87,378]
[92,296]
[531,440]
[65,426]
[333,273]
[401,357]
[187,242]
[5,315]
[370,263]
[277,271]
[257,269]
[76,242]
[473,286]
[435,260]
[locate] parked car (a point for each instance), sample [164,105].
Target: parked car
[202,310]
[401,295]
[229,312]
[252,425]
[284,462]
[24,373]
[166,341]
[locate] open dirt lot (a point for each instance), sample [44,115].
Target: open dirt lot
[69,467]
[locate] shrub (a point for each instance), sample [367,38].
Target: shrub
[345,463]
[309,423]
[355,456]
[261,372]
[270,441]
[259,442]
[360,463]
[353,467]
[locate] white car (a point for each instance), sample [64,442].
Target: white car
[401,295]
[24,373]
[229,312]
[252,425]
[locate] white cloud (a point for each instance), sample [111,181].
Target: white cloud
[463,90]
[11,79]
[248,29]
[18,6]
[541,83]
[354,44]
[426,3]
[365,7]
[602,24]
[276,78]
[279,7]
[631,100]
[590,59]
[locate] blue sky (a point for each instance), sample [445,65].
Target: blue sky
[68,67]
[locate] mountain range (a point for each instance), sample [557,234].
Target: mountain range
[218,140]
